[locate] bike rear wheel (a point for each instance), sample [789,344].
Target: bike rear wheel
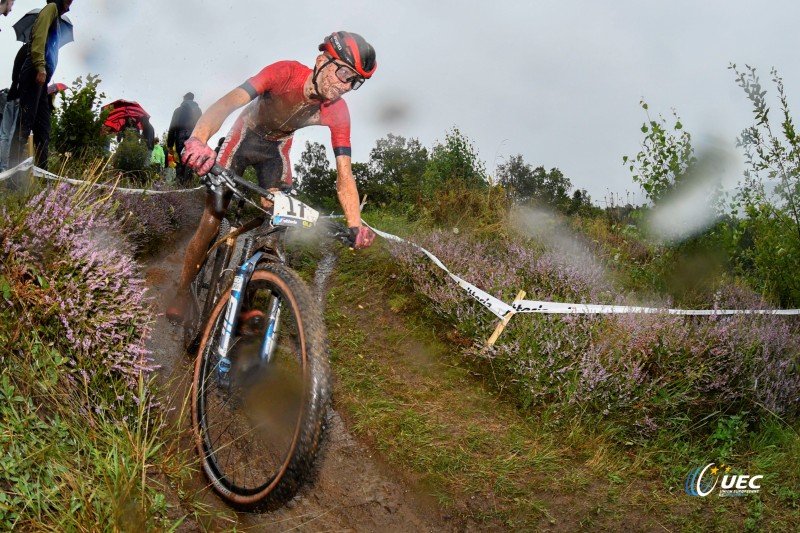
[205,290]
[258,427]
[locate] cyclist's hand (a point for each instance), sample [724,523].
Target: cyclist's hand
[198,156]
[361,237]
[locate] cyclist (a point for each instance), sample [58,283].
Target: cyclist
[282,98]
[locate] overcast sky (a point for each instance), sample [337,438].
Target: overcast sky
[558,81]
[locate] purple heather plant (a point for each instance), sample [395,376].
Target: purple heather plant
[653,370]
[89,299]
[150,220]
[500,268]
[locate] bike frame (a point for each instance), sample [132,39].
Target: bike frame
[242,278]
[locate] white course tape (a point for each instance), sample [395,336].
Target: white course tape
[25,165]
[49,175]
[41,173]
[536,306]
[496,306]
[501,309]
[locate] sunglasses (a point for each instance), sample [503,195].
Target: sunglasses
[346,74]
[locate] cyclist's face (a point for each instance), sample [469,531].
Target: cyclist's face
[334,78]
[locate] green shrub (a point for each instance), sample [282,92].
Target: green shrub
[77,125]
[131,157]
[453,162]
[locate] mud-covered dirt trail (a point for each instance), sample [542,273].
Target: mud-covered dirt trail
[353,490]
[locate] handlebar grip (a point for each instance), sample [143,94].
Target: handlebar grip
[340,233]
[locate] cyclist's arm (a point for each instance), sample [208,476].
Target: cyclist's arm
[347,191]
[211,121]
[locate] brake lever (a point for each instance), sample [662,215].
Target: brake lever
[340,233]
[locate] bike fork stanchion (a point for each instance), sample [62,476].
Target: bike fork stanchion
[240,282]
[268,348]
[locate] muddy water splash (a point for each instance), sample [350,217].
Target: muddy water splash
[324,269]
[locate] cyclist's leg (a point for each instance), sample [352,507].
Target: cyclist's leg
[275,168]
[195,251]
[270,159]
[230,156]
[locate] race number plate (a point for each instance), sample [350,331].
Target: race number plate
[288,211]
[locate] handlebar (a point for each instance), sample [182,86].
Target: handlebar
[220,177]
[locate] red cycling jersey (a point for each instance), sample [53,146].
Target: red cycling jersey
[279,107]
[261,137]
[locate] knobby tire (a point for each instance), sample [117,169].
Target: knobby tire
[234,423]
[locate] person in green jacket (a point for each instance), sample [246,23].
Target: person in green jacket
[38,68]
[157,158]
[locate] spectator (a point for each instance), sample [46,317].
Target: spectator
[183,121]
[148,133]
[40,63]
[157,157]
[11,109]
[129,125]
[5,7]
[169,171]
[148,137]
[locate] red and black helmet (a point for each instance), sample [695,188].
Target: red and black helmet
[352,49]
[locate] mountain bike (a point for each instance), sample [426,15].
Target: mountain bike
[261,380]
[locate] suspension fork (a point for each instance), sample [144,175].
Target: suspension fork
[268,347]
[240,281]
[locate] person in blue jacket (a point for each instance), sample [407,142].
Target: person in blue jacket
[40,64]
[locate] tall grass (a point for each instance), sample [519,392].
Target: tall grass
[80,431]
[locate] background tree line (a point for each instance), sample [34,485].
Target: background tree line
[756,233]
[402,174]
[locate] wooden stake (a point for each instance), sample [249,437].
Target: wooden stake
[504,322]
[30,147]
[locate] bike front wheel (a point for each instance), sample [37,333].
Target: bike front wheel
[258,425]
